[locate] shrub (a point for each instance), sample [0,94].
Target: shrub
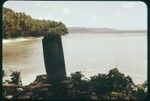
[114,81]
[117,81]
[81,83]
[98,83]
[16,78]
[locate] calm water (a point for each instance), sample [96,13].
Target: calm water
[89,53]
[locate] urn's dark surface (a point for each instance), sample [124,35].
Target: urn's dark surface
[54,58]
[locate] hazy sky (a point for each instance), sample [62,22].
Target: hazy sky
[114,14]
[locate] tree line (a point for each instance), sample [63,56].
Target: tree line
[17,24]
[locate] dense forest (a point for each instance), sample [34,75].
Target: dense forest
[17,24]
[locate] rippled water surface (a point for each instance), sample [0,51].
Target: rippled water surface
[89,53]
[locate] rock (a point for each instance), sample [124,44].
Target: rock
[40,78]
[41,89]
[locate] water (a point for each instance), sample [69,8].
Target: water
[88,53]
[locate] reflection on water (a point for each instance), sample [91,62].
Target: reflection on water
[89,53]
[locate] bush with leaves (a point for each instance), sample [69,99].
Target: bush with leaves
[16,78]
[80,81]
[117,81]
[111,86]
[114,81]
[141,92]
[98,83]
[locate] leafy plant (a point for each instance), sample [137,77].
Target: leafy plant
[15,77]
[114,81]
[81,83]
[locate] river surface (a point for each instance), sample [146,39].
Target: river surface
[88,53]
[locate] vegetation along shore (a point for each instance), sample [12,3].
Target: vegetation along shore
[112,86]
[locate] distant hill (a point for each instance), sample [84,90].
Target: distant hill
[101,30]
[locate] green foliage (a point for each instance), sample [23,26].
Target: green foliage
[22,25]
[114,95]
[81,83]
[98,83]
[15,77]
[117,81]
[114,81]
[59,90]
[141,90]
[77,76]
[111,86]
[140,94]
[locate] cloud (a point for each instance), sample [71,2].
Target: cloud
[66,11]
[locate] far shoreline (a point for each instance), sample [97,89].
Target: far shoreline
[20,39]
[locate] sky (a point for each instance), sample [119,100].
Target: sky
[130,15]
